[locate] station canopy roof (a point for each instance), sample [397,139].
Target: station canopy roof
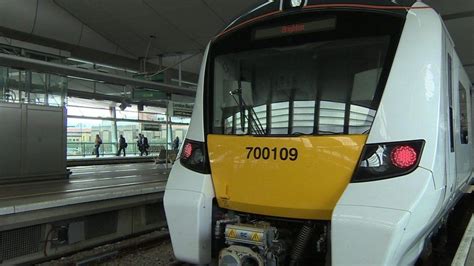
[174,29]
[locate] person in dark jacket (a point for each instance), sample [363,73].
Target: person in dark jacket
[122,145]
[176,144]
[140,144]
[145,146]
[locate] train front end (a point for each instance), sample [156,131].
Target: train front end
[286,101]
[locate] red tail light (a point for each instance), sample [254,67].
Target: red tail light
[187,151]
[386,160]
[194,156]
[403,156]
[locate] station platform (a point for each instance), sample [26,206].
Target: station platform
[86,184]
[465,252]
[107,160]
[160,157]
[97,203]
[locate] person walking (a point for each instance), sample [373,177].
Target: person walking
[122,145]
[98,142]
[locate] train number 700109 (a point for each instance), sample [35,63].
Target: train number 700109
[267,153]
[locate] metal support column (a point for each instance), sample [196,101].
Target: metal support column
[180,72]
[113,112]
[167,119]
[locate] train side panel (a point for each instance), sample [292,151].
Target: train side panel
[189,195]
[456,106]
[417,104]
[462,123]
[411,103]
[411,108]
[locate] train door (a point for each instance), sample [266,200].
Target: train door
[451,154]
[463,125]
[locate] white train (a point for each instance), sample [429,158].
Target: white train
[323,134]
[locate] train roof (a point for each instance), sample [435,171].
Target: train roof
[396,7]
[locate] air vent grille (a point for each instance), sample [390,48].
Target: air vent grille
[20,242]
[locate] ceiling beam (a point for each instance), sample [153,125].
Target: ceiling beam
[117,99]
[80,52]
[47,67]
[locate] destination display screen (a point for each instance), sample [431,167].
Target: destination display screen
[295,28]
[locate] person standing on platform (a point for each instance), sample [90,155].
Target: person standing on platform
[176,144]
[145,145]
[139,144]
[98,142]
[122,145]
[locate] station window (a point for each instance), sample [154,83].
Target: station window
[13,85]
[56,90]
[37,91]
[464,126]
[28,87]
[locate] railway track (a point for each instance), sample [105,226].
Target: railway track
[153,248]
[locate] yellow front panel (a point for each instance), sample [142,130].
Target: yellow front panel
[278,183]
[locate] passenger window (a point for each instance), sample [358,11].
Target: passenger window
[464,127]
[450,93]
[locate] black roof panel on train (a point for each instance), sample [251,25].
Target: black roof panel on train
[364,2]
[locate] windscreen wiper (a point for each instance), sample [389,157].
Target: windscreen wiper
[257,128]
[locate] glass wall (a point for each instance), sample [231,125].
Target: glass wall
[25,86]
[81,136]
[87,118]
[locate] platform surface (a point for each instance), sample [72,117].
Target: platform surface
[465,253]
[106,160]
[86,184]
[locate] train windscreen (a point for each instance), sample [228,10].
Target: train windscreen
[279,80]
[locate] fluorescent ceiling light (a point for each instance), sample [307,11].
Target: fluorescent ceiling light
[101,65]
